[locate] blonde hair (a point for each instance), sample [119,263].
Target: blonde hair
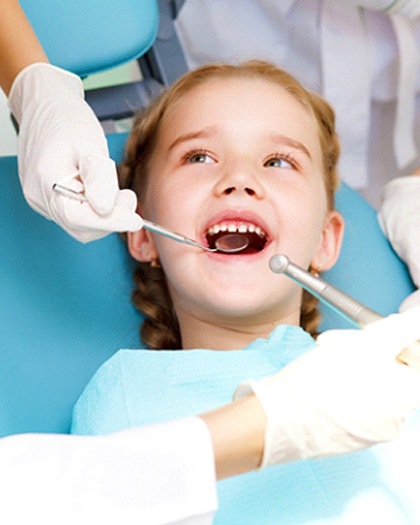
[160,328]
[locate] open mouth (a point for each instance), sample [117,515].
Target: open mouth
[257,238]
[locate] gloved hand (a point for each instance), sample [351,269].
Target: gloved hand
[346,394]
[61,140]
[399,218]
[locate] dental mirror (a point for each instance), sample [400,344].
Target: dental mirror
[232,243]
[229,243]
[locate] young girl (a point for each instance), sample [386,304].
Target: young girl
[236,164]
[232,149]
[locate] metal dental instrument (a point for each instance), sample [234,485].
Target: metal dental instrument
[346,306]
[229,243]
[340,302]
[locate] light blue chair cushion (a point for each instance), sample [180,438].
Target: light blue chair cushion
[102,33]
[65,307]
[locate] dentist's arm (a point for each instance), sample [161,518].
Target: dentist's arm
[60,139]
[160,474]
[19,45]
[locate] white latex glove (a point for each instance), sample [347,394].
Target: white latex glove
[61,140]
[399,218]
[346,394]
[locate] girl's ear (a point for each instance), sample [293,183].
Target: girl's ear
[142,246]
[330,243]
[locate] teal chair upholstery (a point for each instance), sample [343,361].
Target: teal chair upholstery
[86,37]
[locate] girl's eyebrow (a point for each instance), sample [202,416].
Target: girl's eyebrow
[283,139]
[202,133]
[210,131]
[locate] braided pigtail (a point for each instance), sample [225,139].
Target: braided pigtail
[310,316]
[160,327]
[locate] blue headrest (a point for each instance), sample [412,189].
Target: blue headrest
[97,35]
[65,307]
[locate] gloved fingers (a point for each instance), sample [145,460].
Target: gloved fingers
[128,199]
[410,302]
[353,365]
[339,341]
[396,331]
[327,403]
[84,224]
[73,183]
[386,337]
[99,177]
[363,368]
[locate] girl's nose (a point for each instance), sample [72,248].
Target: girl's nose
[240,180]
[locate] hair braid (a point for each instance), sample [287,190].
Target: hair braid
[310,316]
[159,329]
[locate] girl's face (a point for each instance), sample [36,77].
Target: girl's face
[237,154]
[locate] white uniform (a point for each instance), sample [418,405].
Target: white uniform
[363,60]
[160,474]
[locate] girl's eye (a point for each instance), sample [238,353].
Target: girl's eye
[280,161]
[200,157]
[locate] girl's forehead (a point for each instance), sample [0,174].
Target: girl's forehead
[236,90]
[241,103]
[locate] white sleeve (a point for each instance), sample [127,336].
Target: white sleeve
[159,474]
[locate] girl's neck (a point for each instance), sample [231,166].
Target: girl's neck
[197,333]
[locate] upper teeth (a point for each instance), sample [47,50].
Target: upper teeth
[232,227]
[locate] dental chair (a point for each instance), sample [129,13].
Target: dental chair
[65,307]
